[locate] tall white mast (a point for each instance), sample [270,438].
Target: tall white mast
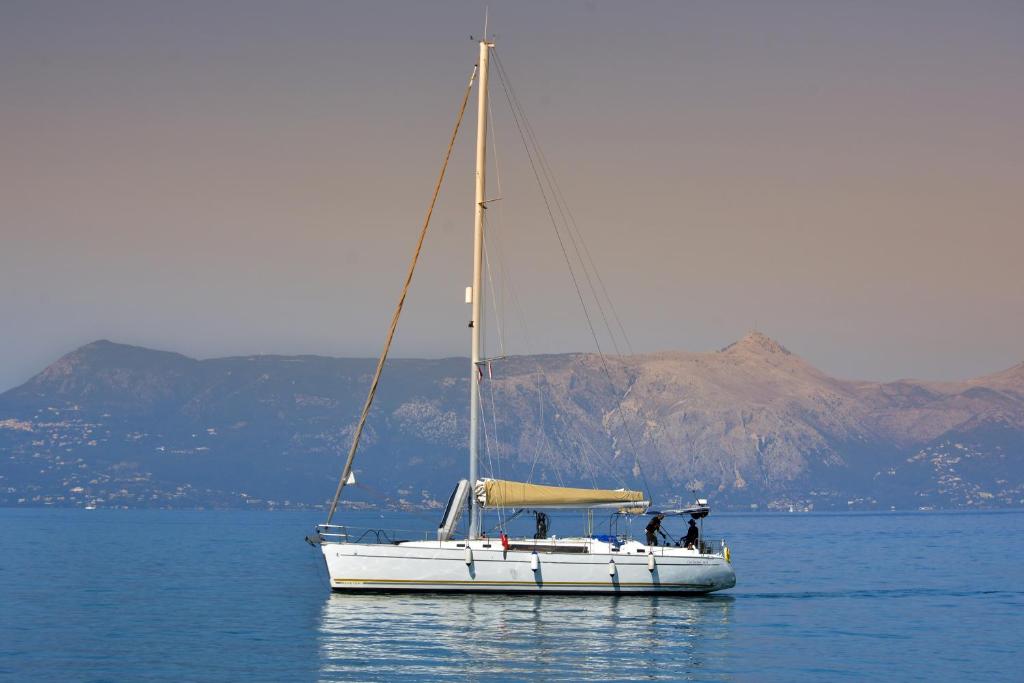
[476,325]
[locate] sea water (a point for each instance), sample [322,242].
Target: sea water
[110,595]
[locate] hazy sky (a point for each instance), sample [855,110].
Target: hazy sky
[221,178]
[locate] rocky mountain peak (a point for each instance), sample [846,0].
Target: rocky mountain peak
[102,355]
[1011,378]
[755,342]
[753,423]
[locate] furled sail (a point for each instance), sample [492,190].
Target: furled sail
[498,493]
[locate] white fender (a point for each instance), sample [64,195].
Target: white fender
[534,561]
[650,562]
[469,555]
[611,567]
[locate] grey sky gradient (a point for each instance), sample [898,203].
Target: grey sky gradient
[223,178]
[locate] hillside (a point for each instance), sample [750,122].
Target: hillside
[752,424]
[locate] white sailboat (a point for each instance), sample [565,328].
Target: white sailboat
[589,563]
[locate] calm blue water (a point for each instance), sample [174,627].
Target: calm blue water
[232,596]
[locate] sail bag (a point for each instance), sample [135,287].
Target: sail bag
[499,493]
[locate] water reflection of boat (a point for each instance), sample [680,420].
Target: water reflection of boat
[416,635]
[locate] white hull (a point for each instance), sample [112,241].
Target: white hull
[436,566]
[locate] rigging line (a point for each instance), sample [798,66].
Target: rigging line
[577,239]
[507,279]
[530,349]
[501,352]
[574,238]
[571,224]
[585,464]
[494,299]
[494,422]
[517,108]
[586,257]
[563,209]
[522,123]
[497,224]
[517,113]
[584,460]
[558,473]
[547,203]
[495,470]
[505,276]
[555,466]
[511,517]
[487,449]
[490,384]
[600,281]
[540,419]
[585,446]
[542,376]
[347,470]
[517,306]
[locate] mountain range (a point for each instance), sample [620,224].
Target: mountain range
[749,426]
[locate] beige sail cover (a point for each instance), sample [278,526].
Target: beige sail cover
[498,493]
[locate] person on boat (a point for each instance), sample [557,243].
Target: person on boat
[542,526]
[654,527]
[692,536]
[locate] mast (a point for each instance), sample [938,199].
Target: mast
[476,293]
[346,473]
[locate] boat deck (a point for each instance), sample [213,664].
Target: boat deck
[602,545]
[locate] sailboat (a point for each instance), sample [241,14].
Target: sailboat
[473,562]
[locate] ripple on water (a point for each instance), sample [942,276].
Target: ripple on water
[232,596]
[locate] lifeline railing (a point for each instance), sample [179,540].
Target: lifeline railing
[708,546]
[705,546]
[339,533]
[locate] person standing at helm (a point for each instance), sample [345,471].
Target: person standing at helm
[692,535]
[654,527]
